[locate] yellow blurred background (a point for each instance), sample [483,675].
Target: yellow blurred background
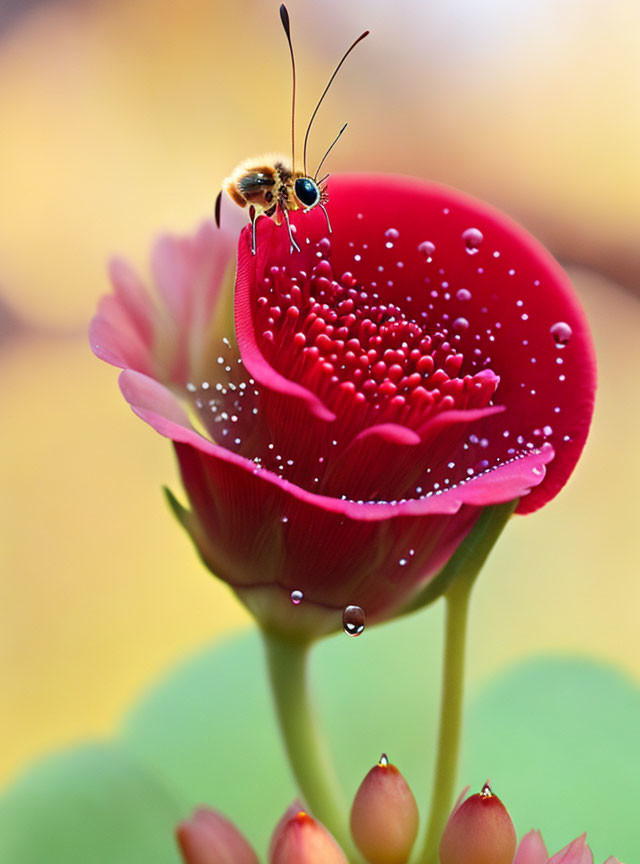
[119,119]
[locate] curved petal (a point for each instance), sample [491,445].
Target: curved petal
[249,268]
[501,300]
[575,853]
[531,850]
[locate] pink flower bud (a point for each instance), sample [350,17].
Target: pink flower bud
[300,839]
[209,838]
[479,831]
[384,816]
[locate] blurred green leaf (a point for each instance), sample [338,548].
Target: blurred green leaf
[557,736]
[559,739]
[93,804]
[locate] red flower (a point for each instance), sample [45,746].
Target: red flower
[423,361]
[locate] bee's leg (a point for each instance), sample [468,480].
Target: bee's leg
[294,245]
[326,216]
[253,218]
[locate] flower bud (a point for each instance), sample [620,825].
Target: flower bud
[209,838]
[479,831]
[300,839]
[384,816]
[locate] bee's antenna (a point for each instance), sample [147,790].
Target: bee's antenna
[336,70]
[284,17]
[217,208]
[329,151]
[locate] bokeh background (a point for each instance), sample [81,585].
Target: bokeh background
[118,119]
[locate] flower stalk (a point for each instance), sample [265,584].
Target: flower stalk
[457,603]
[306,748]
[457,580]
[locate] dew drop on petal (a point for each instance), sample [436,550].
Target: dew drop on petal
[324,246]
[463,294]
[561,333]
[296,597]
[426,248]
[392,233]
[461,324]
[472,240]
[353,620]
[383,760]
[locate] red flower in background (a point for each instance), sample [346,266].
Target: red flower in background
[425,360]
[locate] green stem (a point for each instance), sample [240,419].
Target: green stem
[306,749]
[456,581]
[457,600]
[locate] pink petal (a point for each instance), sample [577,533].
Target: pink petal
[575,853]
[531,850]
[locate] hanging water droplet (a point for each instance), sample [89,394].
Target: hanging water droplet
[296,597]
[353,620]
[461,324]
[426,248]
[472,238]
[561,333]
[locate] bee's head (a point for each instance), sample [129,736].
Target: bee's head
[307,192]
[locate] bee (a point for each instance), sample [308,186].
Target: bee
[270,185]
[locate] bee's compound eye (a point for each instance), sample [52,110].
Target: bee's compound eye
[307,191]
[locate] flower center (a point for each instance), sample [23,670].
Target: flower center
[369,361]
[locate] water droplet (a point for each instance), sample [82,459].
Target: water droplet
[383,760]
[392,233]
[324,247]
[353,620]
[461,324]
[472,240]
[426,248]
[463,294]
[561,333]
[296,597]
